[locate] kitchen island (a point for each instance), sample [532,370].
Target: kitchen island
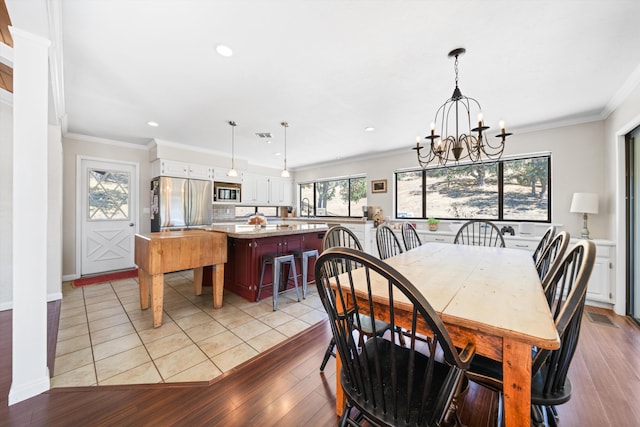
[167,251]
[246,244]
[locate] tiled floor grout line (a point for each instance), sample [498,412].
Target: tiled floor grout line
[179,294]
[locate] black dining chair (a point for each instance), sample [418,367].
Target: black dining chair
[550,385]
[410,236]
[339,236]
[547,237]
[552,255]
[388,244]
[389,384]
[479,232]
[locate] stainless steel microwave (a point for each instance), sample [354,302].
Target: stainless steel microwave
[226,193]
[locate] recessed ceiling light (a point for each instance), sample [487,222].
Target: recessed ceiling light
[369,128]
[153,124]
[278,154]
[224,50]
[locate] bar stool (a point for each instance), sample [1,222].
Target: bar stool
[303,255]
[278,261]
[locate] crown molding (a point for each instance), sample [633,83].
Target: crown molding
[93,139]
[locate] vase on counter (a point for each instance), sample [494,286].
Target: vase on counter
[433,227]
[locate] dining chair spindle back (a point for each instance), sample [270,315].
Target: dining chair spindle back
[389,383]
[479,233]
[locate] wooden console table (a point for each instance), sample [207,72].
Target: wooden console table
[168,251]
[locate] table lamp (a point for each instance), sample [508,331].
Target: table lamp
[584,203]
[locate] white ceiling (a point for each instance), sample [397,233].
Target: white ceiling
[331,68]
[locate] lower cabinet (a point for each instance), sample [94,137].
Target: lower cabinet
[242,271]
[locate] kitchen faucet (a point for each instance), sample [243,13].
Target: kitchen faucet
[308,207]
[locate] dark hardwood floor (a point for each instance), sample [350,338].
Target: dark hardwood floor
[283,387]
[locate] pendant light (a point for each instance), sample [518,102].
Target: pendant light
[232,171]
[285,172]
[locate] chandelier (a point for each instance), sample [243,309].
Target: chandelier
[455,113]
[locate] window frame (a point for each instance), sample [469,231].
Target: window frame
[500,177]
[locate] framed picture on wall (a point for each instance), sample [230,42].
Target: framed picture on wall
[379,186]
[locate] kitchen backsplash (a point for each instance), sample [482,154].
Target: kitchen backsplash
[223,212]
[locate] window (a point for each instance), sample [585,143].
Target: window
[336,197]
[247,211]
[510,190]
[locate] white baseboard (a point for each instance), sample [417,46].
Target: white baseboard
[70,277]
[6,305]
[21,392]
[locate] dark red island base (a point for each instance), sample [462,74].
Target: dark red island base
[247,244]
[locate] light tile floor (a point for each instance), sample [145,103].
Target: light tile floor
[105,338]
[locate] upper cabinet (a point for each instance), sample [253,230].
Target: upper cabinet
[162,167]
[264,190]
[255,189]
[281,189]
[222,175]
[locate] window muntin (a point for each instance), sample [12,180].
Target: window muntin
[108,194]
[513,190]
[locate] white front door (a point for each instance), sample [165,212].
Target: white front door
[108,211]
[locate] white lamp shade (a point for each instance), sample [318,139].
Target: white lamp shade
[584,203]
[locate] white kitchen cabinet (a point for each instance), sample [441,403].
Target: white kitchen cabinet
[602,277]
[221,174]
[431,236]
[162,167]
[266,191]
[255,189]
[363,232]
[280,191]
[200,171]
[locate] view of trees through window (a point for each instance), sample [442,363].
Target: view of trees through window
[504,190]
[338,197]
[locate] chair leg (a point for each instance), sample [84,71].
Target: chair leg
[305,265]
[261,278]
[276,283]
[344,419]
[328,353]
[295,278]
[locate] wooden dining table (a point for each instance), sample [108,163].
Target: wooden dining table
[489,296]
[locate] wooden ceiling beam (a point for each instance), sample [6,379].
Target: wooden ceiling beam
[6,72]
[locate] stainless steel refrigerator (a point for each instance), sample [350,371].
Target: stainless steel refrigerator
[180,203]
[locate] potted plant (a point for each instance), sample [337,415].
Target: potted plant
[433,224]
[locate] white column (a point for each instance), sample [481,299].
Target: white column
[30,184]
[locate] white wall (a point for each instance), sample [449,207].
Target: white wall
[577,165]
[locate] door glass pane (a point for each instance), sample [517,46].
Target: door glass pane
[108,195]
